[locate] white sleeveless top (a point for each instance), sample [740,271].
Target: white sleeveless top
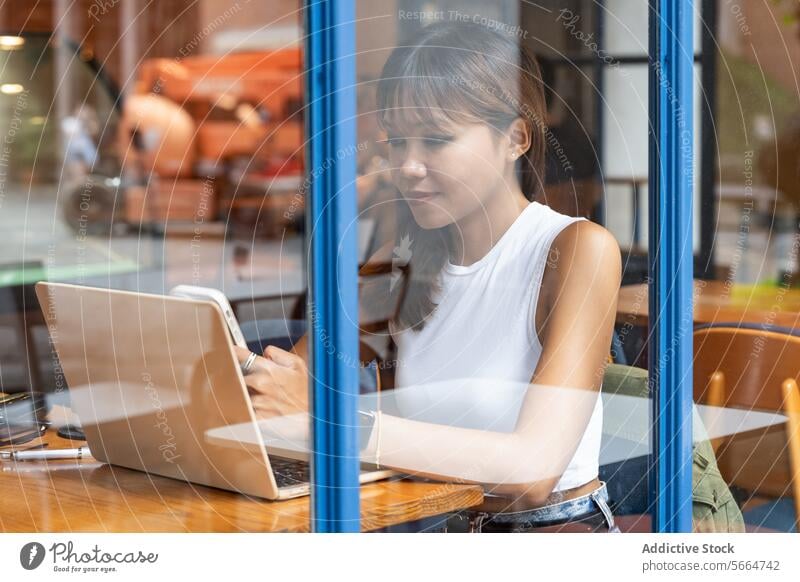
[484,327]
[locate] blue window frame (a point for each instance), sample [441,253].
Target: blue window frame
[333,289]
[671,258]
[333,286]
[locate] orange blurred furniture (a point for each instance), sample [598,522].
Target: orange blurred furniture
[235,116]
[753,367]
[715,301]
[270,80]
[268,77]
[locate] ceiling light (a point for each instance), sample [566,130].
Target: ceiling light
[11,88]
[10,43]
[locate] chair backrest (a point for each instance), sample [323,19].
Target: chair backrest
[744,367]
[754,362]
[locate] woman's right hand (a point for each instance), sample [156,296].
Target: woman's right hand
[277,382]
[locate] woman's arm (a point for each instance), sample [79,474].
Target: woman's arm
[580,285]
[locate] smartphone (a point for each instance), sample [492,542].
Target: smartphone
[23,407]
[216,296]
[17,434]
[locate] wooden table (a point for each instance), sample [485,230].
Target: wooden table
[85,495]
[717,302]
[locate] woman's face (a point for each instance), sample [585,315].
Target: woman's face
[449,172]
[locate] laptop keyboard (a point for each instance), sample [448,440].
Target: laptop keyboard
[289,472]
[293,472]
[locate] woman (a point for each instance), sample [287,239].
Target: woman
[500,290]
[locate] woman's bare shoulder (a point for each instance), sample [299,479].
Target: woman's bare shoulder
[585,241]
[581,253]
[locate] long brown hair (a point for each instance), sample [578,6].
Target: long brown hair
[466,73]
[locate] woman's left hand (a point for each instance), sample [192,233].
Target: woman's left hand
[277,382]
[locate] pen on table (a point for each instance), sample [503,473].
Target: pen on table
[51,454]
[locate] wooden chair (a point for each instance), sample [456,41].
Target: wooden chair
[753,367]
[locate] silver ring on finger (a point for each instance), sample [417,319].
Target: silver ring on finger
[248,363]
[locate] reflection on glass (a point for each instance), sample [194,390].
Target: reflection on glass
[745,342]
[488,140]
[501,309]
[149,146]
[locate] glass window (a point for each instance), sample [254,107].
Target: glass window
[482,147]
[502,159]
[149,146]
[746,312]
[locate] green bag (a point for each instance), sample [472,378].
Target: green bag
[714,508]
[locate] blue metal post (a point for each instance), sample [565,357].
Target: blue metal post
[671,258]
[333,285]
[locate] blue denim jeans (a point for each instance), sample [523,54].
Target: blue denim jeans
[592,511]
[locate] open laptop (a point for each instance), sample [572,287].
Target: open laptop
[154,379]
